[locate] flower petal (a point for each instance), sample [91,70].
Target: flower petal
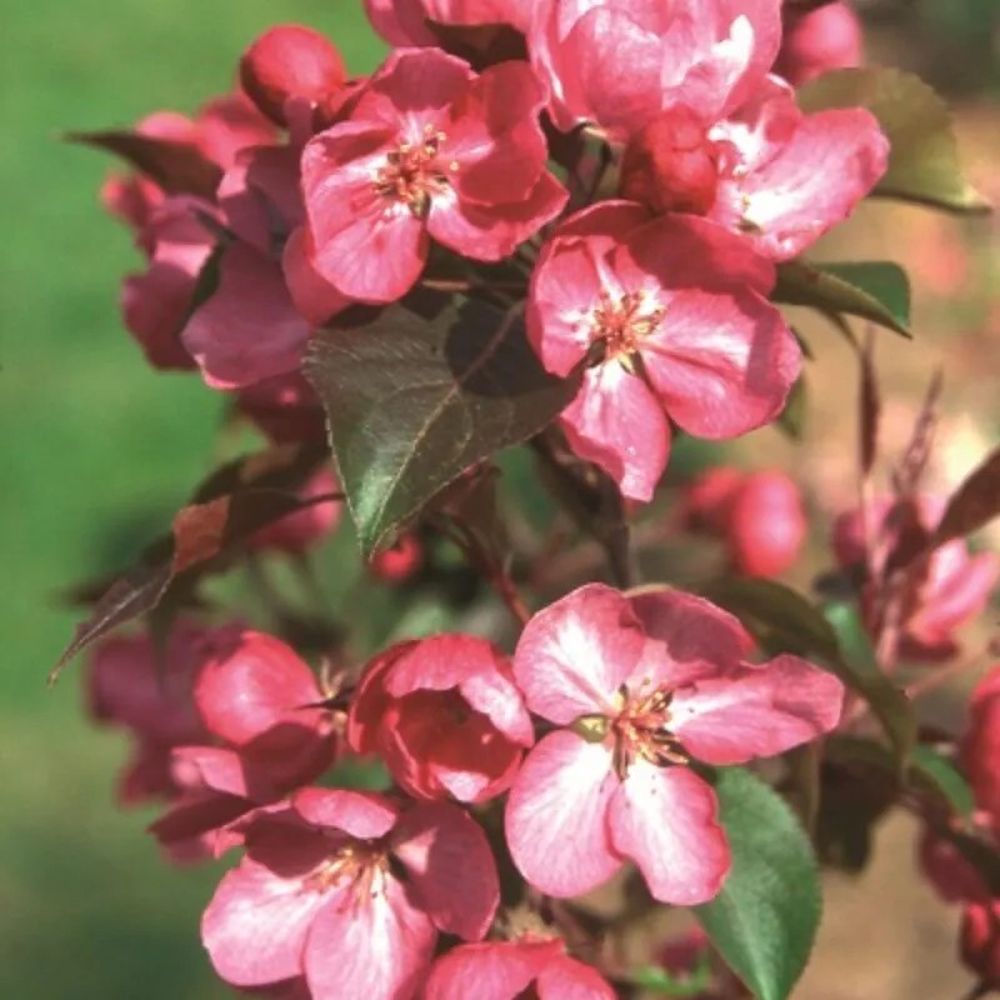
[556,818]
[565,978]
[366,815]
[573,656]
[665,820]
[493,970]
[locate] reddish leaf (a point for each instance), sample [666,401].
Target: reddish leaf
[871,407]
[974,503]
[178,167]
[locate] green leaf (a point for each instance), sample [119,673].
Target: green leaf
[861,671]
[924,163]
[793,417]
[414,401]
[878,291]
[656,979]
[765,919]
[930,767]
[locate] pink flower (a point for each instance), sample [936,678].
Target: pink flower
[819,41]
[262,705]
[638,688]
[446,717]
[130,685]
[228,124]
[349,891]
[981,747]
[672,317]
[291,63]
[299,531]
[432,150]
[404,22]
[954,587]
[505,970]
[620,62]
[980,941]
[787,177]
[766,525]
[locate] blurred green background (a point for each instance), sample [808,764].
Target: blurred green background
[98,451]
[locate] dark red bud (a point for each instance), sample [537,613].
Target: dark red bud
[670,165]
[980,941]
[399,562]
[290,62]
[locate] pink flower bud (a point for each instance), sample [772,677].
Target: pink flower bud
[300,530]
[399,562]
[290,62]
[767,524]
[824,39]
[671,165]
[980,941]
[709,497]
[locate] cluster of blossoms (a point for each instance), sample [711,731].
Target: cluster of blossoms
[633,174]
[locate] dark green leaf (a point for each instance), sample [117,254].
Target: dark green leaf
[928,767]
[413,402]
[764,921]
[793,416]
[924,164]
[178,167]
[859,669]
[878,291]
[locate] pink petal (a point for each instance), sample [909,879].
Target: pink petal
[495,970]
[313,296]
[556,818]
[376,944]
[617,423]
[365,815]
[758,711]
[371,701]
[573,656]
[255,927]
[565,978]
[722,364]
[210,767]
[956,594]
[493,232]
[450,868]
[476,667]
[252,684]
[689,638]
[400,22]
[665,819]
[196,814]
[248,329]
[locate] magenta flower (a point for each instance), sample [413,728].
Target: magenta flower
[432,150]
[445,715]
[787,177]
[260,702]
[348,891]
[620,62]
[639,687]
[506,970]
[672,317]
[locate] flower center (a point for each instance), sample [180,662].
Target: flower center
[412,174]
[622,323]
[642,730]
[362,864]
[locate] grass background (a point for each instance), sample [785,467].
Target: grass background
[97,452]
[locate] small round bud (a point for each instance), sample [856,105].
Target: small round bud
[290,62]
[670,165]
[822,40]
[767,525]
[399,562]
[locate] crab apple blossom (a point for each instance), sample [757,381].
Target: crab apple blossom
[130,684]
[290,62]
[981,748]
[348,891]
[299,531]
[954,585]
[819,41]
[621,62]
[435,151]
[506,970]
[639,687]
[445,715]
[263,707]
[671,317]
[405,22]
[787,177]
